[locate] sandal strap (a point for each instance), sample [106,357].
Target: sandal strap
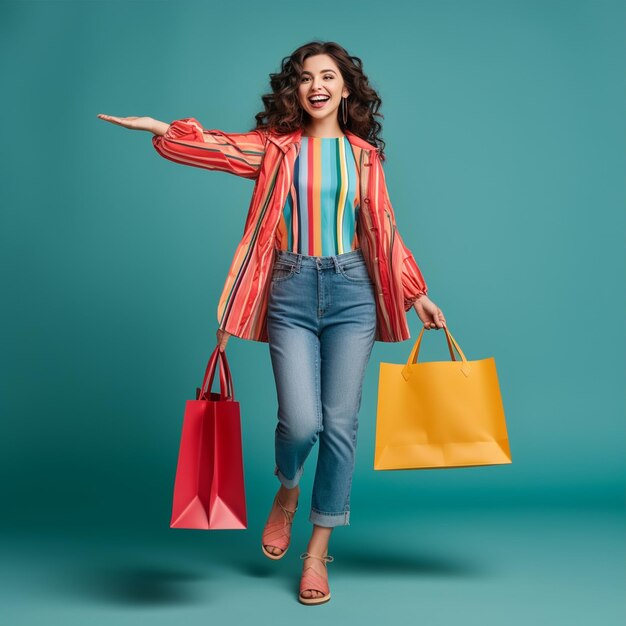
[286,510]
[312,580]
[278,533]
[325,559]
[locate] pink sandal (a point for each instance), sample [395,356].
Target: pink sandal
[312,581]
[277,534]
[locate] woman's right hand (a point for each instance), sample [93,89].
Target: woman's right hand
[222,339]
[137,123]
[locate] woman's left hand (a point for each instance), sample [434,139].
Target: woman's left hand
[429,313]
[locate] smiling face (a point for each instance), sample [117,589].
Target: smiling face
[321,77]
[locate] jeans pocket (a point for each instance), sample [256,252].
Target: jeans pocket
[282,270]
[356,272]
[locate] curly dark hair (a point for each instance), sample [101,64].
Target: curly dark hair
[284,114]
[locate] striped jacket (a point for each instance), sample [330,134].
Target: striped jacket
[269,158]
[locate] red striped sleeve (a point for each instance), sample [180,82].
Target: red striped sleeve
[413,283]
[188,143]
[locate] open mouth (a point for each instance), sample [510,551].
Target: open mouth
[318,102]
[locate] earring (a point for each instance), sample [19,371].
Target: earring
[344,110]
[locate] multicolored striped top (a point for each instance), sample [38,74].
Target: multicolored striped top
[319,216]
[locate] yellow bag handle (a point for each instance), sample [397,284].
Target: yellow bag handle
[412,360]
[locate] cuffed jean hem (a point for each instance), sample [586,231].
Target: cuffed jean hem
[329,519]
[289,483]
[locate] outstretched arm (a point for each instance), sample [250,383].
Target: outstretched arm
[185,141]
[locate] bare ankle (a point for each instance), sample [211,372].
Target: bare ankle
[290,495]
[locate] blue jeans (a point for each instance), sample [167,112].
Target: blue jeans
[321,322]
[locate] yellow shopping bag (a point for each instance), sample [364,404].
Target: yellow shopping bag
[440,414]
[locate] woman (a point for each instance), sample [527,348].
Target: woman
[320,274]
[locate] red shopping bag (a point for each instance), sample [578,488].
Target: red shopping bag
[209,490]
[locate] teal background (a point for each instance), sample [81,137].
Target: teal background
[505,142]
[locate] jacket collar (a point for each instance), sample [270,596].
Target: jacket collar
[283,141]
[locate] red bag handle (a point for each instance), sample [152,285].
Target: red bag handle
[227,391]
[225,370]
